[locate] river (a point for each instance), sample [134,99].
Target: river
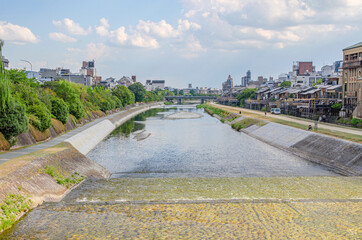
[156,161]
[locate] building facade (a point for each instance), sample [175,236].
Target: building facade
[152,85]
[352,79]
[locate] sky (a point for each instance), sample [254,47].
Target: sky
[187,41]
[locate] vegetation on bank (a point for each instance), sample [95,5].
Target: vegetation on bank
[212,110]
[26,104]
[68,181]
[11,207]
[246,122]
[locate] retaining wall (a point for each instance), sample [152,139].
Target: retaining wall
[342,156]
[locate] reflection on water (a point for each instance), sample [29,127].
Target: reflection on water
[192,148]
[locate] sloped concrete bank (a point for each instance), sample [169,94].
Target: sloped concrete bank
[89,138]
[49,174]
[341,156]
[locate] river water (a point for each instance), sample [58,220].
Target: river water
[155,160]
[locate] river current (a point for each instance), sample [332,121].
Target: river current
[188,179]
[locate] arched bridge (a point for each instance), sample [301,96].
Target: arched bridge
[180,98]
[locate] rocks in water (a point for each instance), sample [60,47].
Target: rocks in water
[184,115]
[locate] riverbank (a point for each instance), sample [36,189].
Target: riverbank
[343,157]
[49,173]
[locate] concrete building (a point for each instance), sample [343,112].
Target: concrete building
[33,74]
[352,79]
[246,79]
[125,81]
[46,75]
[228,85]
[134,78]
[152,85]
[5,61]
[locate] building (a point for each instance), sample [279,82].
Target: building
[228,85]
[32,74]
[5,61]
[152,85]
[47,75]
[302,68]
[246,79]
[125,81]
[134,79]
[352,79]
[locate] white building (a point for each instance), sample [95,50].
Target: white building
[152,85]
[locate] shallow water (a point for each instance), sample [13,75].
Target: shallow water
[201,147]
[196,179]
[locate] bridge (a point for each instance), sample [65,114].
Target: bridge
[180,98]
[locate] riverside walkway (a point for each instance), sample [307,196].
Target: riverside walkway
[6,156]
[292,119]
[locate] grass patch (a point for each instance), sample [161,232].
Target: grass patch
[168,103]
[11,207]
[246,122]
[38,135]
[58,126]
[99,113]
[212,110]
[57,175]
[4,144]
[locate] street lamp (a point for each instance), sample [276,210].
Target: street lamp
[31,65]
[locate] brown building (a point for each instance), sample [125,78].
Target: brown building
[352,79]
[305,67]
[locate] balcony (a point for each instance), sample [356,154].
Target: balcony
[352,64]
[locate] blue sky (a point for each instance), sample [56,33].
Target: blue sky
[187,41]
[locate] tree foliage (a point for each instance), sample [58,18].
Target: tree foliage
[60,110]
[139,91]
[286,84]
[247,93]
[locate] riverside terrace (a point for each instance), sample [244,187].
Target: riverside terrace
[180,98]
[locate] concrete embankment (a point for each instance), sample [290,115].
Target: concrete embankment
[341,156]
[89,138]
[49,174]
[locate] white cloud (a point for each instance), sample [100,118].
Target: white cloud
[71,27]
[97,50]
[102,30]
[16,34]
[144,41]
[61,37]
[119,36]
[270,23]
[161,29]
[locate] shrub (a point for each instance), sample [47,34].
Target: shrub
[13,120]
[354,121]
[43,116]
[4,144]
[76,108]
[60,110]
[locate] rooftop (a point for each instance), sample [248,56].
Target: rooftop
[354,46]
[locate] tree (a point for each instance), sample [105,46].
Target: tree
[13,119]
[181,92]
[139,91]
[60,110]
[246,94]
[286,84]
[192,92]
[123,94]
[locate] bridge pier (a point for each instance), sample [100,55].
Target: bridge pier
[202,101]
[179,101]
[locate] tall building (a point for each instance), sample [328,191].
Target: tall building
[88,70]
[228,85]
[246,79]
[352,79]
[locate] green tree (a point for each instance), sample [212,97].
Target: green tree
[139,91]
[286,84]
[181,92]
[124,94]
[41,117]
[60,110]
[247,93]
[13,119]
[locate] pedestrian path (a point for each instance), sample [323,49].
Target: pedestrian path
[4,157]
[293,119]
